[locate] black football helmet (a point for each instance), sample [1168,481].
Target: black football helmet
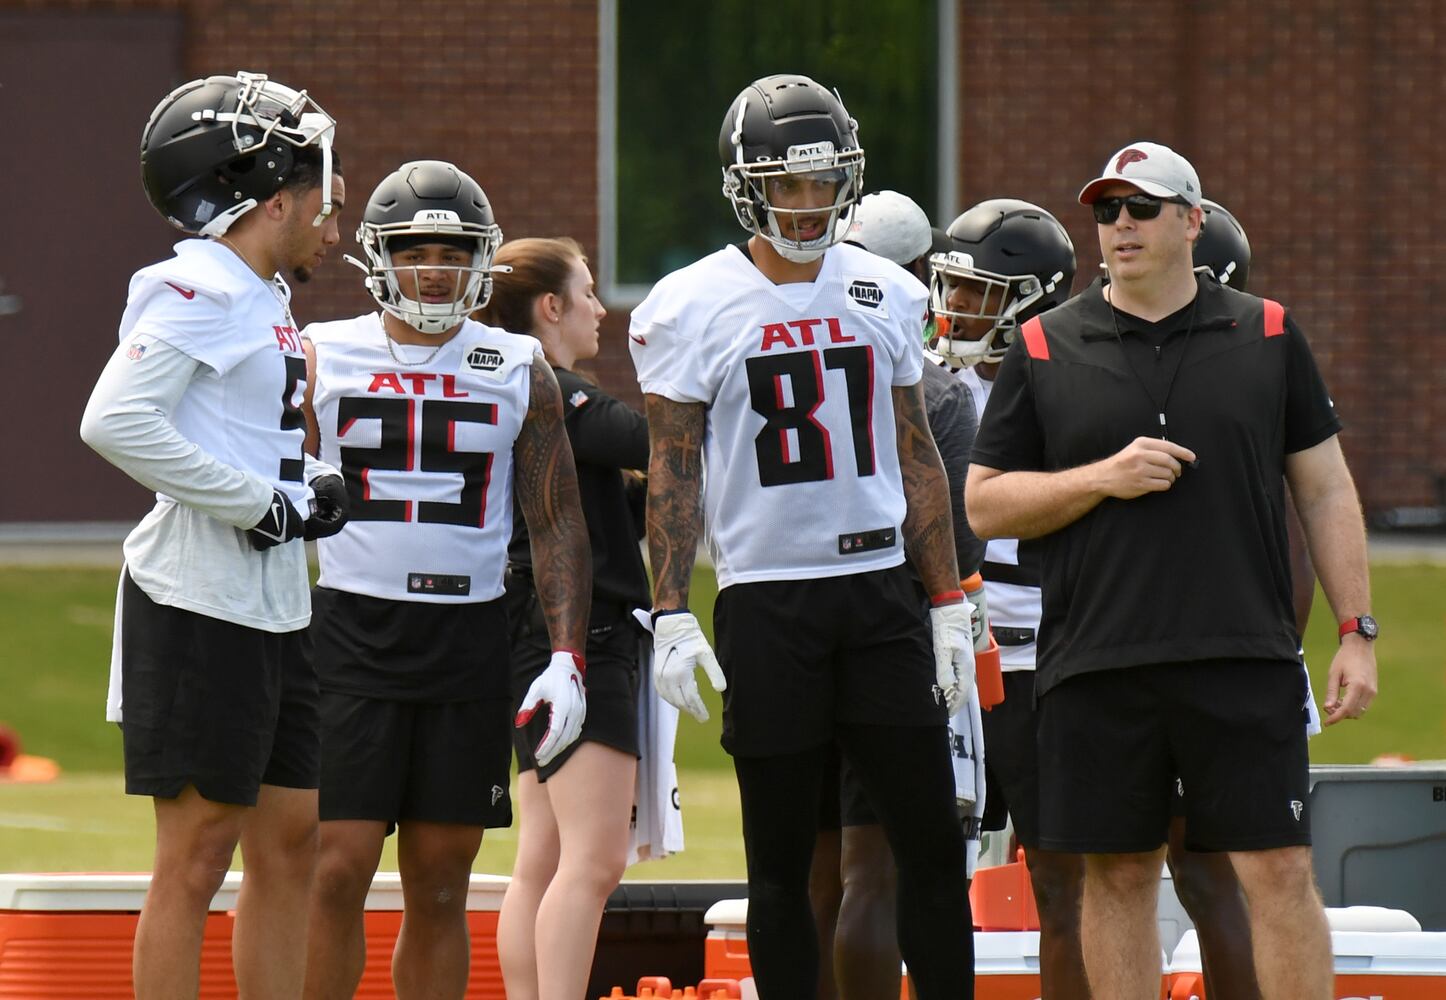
[787,124]
[418,200]
[215,148]
[1024,261]
[1223,249]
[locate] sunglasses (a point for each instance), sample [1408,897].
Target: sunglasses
[1141,206]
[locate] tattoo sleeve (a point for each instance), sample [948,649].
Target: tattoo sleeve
[675,481]
[546,484]
[928,529]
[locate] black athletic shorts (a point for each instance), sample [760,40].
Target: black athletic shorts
[213,704]
[613,645]
[1112,743]
[802,655]
[394,761]
[1011,760]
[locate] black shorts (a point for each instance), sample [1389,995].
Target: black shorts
[1011,760]
[396,761]
[213,704]
[1112,744]
[613,645]
[803,655]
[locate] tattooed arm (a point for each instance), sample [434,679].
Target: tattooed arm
[546,484]
[675,479]
[928,529]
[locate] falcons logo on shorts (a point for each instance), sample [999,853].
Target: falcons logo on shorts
[1296,808]
[497,792]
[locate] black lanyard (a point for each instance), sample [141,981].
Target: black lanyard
[1159,405]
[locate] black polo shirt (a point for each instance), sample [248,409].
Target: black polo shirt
[1202,570]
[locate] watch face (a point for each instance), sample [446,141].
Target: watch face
[1368,627]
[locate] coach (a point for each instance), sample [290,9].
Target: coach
[1140,433]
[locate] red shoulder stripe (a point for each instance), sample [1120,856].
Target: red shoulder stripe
[1274,318]
[1034,340]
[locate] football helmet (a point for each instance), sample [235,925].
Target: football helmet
[420,199]
[214,149]
[1222,248]
[785,125]
[1023,262]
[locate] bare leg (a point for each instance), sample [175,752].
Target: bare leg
[1058,881]
[336,942]
[195,841]
[1293,959]
[825,892]
[1210,893]
[433,953]
[866,952]
[278,850]
[1120,934]
[592,799]
[537,853]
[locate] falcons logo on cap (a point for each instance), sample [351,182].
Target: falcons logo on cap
[1127,157]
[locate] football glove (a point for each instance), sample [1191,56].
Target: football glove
[329,508]
[953,652]
[560,685]
[678,648]
[280,524]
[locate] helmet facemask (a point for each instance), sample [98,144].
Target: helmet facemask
[472,283]
[745,186]
[267,111]
[1004,299]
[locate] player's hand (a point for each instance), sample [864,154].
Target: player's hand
[1351,685]
[953,652]
[330,507]
[280,524]
[678,648]
[979,620]
[560,685]
[1145,465]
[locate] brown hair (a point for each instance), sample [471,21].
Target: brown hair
[538,266]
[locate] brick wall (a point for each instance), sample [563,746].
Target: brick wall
[1311,122]
[1316,124]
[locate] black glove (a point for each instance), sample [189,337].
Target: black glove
[330,508]
[281,524]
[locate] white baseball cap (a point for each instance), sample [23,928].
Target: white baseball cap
[891,225]
[1155,169]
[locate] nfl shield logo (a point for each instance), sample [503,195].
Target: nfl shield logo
[136,351]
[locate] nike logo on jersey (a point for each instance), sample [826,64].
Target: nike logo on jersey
[638,340]
[185,293]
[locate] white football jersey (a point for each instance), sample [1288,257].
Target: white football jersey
[1012,603]
[243,409]
[800,449]
[425,447]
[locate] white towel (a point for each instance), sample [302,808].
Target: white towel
[657,829]
[113,691]
[1312,713]
[966,744]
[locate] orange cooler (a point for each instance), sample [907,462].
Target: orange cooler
[1369,965]
[69,936]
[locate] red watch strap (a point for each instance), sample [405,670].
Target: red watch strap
[1348,626]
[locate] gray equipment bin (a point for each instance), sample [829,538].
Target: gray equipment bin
[1379,838]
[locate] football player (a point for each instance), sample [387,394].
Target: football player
[200,402]
[576,808]
[434,421]
[1006,261]
[789,367]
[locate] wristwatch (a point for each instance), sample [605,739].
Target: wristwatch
[1365,625]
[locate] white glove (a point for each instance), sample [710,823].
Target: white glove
[979,624]
[678,648]
[560,685]
[953,652]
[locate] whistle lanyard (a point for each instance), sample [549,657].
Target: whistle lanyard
[1161,404]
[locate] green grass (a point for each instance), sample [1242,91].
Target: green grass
[55,649]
